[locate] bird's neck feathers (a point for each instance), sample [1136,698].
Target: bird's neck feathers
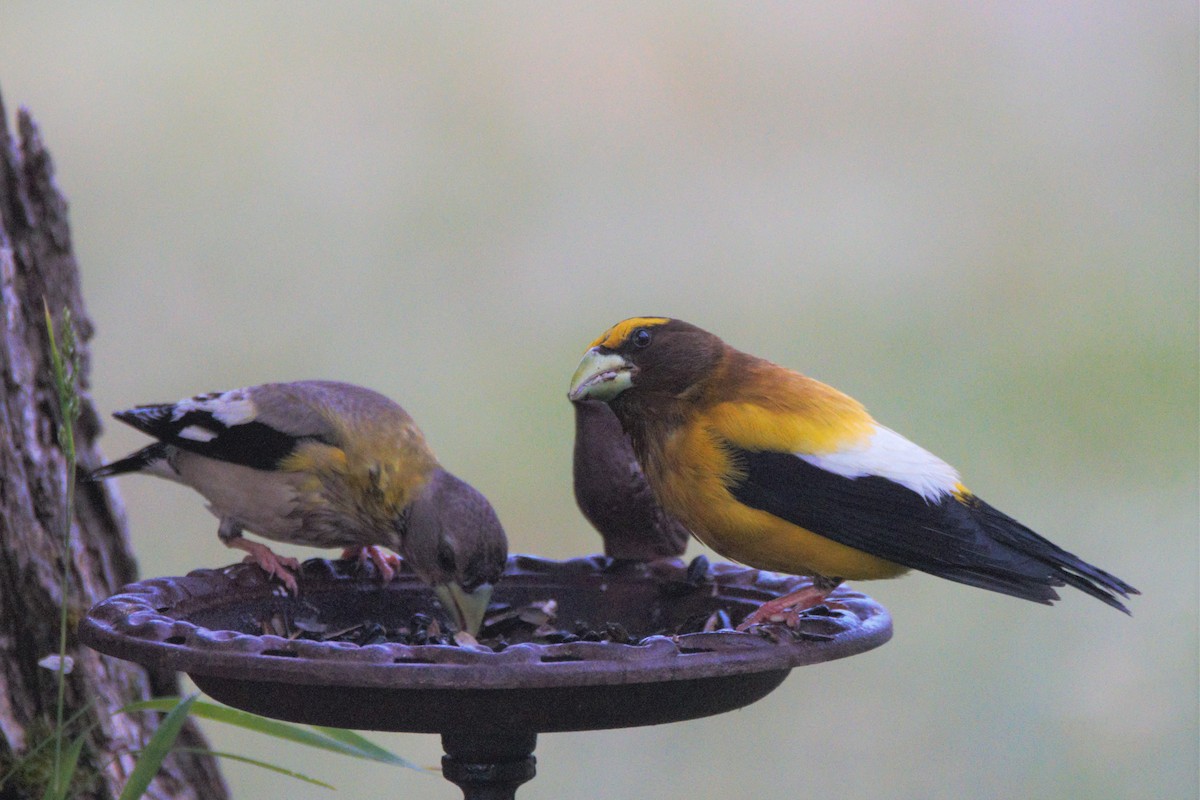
[754,401]
[652,411]
[762,405]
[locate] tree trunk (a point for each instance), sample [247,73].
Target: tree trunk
[36,264]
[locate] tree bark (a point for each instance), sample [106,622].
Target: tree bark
[36,264]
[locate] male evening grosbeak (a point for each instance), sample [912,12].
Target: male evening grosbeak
[326,464]
[781,472]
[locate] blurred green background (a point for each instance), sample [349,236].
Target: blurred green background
[979,219]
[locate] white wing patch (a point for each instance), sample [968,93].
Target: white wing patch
[889,455]
[228,408]
[197,434]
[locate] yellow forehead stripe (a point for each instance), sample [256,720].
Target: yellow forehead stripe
[617,334]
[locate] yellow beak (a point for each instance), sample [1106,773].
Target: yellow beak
[600,376]
[465,608]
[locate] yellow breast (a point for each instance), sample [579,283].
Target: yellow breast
[690,474]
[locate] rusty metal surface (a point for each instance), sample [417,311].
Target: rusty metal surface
[207,623]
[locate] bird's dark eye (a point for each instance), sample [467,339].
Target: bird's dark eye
[641,338]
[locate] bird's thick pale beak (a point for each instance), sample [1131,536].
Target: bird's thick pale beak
[466,608]
[600,376]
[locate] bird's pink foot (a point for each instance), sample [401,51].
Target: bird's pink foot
[387,562]
[789,608]
[275,566]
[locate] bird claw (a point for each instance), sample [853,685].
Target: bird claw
[790,617]
[788,609]
[386,562]
[276,566]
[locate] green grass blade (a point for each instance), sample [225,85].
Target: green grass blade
[156,749]
[369,749]
[256,763]
[346,743]
[44,743]
[58,788]
[68,404]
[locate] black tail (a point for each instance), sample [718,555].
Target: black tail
[1065,568]
[135,462]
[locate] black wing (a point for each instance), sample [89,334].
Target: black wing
[251,444]
[964,540]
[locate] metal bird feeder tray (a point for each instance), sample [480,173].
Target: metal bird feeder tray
[487,704]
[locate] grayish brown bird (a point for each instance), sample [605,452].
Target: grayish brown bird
[326,464]
[612,492]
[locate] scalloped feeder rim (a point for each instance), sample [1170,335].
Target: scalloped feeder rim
[489,706]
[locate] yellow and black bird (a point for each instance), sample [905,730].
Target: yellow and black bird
[326,464]
[613,494]
[784,473]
